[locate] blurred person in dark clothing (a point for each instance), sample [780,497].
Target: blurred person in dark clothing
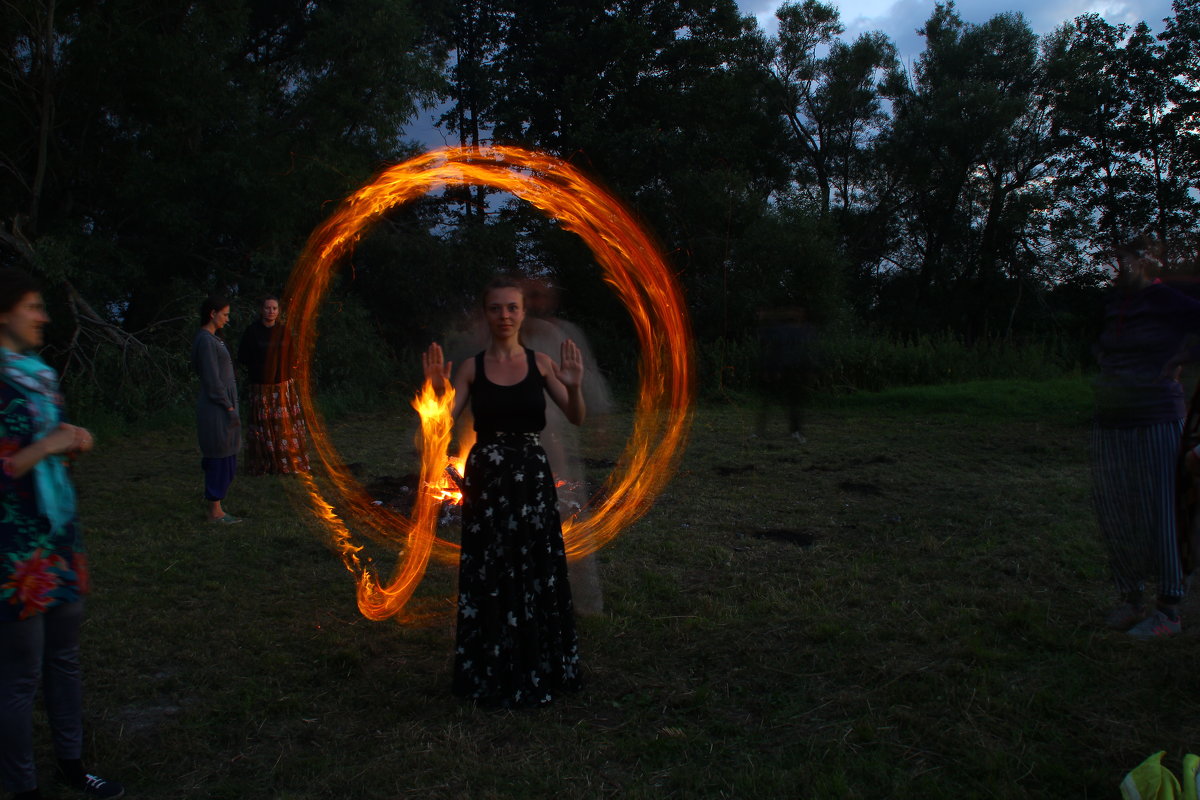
[786,358]
[1136,438]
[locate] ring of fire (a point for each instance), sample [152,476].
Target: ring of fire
[632,266]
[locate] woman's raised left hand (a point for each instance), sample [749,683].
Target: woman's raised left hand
[569,369]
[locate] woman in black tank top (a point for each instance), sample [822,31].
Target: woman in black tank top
[520,408]
[515,641]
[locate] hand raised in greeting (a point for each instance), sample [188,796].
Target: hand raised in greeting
[569,369]
[436,368]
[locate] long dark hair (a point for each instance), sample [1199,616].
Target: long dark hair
[214,302]
[14,285]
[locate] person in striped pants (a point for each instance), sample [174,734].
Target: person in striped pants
[1136,437]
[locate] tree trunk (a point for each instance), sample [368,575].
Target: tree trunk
[46,64]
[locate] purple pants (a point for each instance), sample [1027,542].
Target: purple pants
[218,474]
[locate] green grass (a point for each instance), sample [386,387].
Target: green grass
[1061,400]
[939,637]
[851,361]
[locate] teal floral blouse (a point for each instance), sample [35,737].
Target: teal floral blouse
[39,568]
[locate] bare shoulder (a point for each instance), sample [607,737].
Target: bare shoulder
[466,370]
[545,364]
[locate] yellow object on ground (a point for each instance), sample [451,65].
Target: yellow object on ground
[1191,773]
[1150,780]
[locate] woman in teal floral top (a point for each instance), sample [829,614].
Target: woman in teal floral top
[43,571]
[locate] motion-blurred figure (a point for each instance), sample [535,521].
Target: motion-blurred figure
[1136,438]
[43,564]
[787,357]
[545,333]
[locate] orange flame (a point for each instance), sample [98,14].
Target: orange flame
[448,488]
[632,266]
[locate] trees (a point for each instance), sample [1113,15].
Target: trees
[150,152]
[664,100]
[1130,166]
[153,151]
[830,93]
[970,142]
[1182,56]
[831,102]
[194,143]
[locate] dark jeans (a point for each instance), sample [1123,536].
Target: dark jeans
[44,647]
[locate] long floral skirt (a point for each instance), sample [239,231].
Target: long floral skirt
[276,436]
[515,642]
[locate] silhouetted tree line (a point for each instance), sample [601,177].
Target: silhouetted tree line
[151,152]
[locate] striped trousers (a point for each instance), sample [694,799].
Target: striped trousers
[1133,487]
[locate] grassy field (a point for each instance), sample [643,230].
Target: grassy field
[908,606]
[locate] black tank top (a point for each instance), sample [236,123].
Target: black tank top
[520,408]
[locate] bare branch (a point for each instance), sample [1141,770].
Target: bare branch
[113,333]
[17,241]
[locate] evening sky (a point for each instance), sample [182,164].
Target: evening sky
[900,19]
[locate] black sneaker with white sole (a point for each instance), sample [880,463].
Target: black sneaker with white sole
[91,785]
[95,786]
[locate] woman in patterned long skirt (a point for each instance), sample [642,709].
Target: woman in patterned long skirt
[515,637]
[276,436]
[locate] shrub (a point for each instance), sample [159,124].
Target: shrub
[855,361]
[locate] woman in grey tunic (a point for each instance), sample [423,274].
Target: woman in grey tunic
[217,420]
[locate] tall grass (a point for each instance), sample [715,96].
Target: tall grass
[871,363]
[356,369]
[845,361]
